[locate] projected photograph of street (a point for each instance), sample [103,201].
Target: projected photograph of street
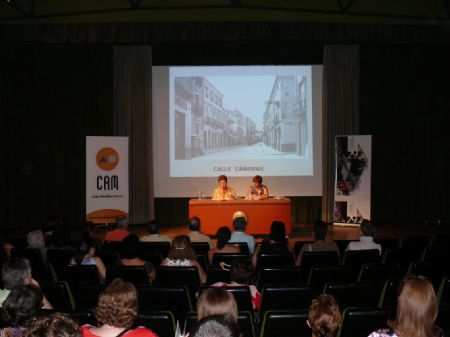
[240,117]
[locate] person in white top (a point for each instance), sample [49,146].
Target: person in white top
[366,240]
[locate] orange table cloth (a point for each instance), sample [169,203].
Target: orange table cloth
[260,213]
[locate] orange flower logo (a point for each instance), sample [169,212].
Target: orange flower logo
[107,159]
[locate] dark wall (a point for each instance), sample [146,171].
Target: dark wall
[405,105]
[51,97]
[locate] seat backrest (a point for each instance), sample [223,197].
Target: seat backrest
[356,258]
[187,276]
[360,322]
[365,294]
[443,293]
[401,255]
[243,246]
[243,297]
[82,274]
[154,257]
[83,316]
[442,320]
[200,247]
[227,258]
[275,259]
[162,323]
[217,274]
[175,299]
[320,275]
[138,275]
[59,258]
[86,295]
[417,242]
[381,272]
[310,259]
[284,275]
[59,295]
[388,243]
[298,245]
[342,245]
[282,323]
[388,298]
[286,298]
[435,271]
[163,247]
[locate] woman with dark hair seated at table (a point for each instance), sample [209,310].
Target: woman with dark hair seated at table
[276,243]
[129,255]
[116,312]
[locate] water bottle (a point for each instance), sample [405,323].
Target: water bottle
[200,195]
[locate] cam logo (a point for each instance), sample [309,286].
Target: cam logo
[107,159]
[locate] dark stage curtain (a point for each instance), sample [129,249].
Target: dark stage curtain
[51,97]
[405,105]
[340,111]
[132,118]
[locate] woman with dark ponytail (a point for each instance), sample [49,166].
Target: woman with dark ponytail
[222,246]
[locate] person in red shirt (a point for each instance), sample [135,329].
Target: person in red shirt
[121,230]
[116,312]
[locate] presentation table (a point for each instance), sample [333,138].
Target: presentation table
[260,213]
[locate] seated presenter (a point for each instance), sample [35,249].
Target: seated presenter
[258,191]
[223,191]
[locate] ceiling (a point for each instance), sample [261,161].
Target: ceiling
[402,12]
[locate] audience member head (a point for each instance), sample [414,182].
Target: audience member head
[215,326]
[216,301]
[194,224]
[181,249]
[22,304]
[35,239]
[55,325]
[241,271]
[324,316]
[240,224]
[15,272]
[416,308]
[320,230]
[222,178]
[278,232]
[223,236]
[366,227]
[122,222]
[129,247]
[85,249]
[117,304]
[153,227]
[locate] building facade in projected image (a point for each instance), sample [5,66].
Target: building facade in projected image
[204,126]
[285,127]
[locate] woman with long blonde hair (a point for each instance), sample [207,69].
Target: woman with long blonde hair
[416,311]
